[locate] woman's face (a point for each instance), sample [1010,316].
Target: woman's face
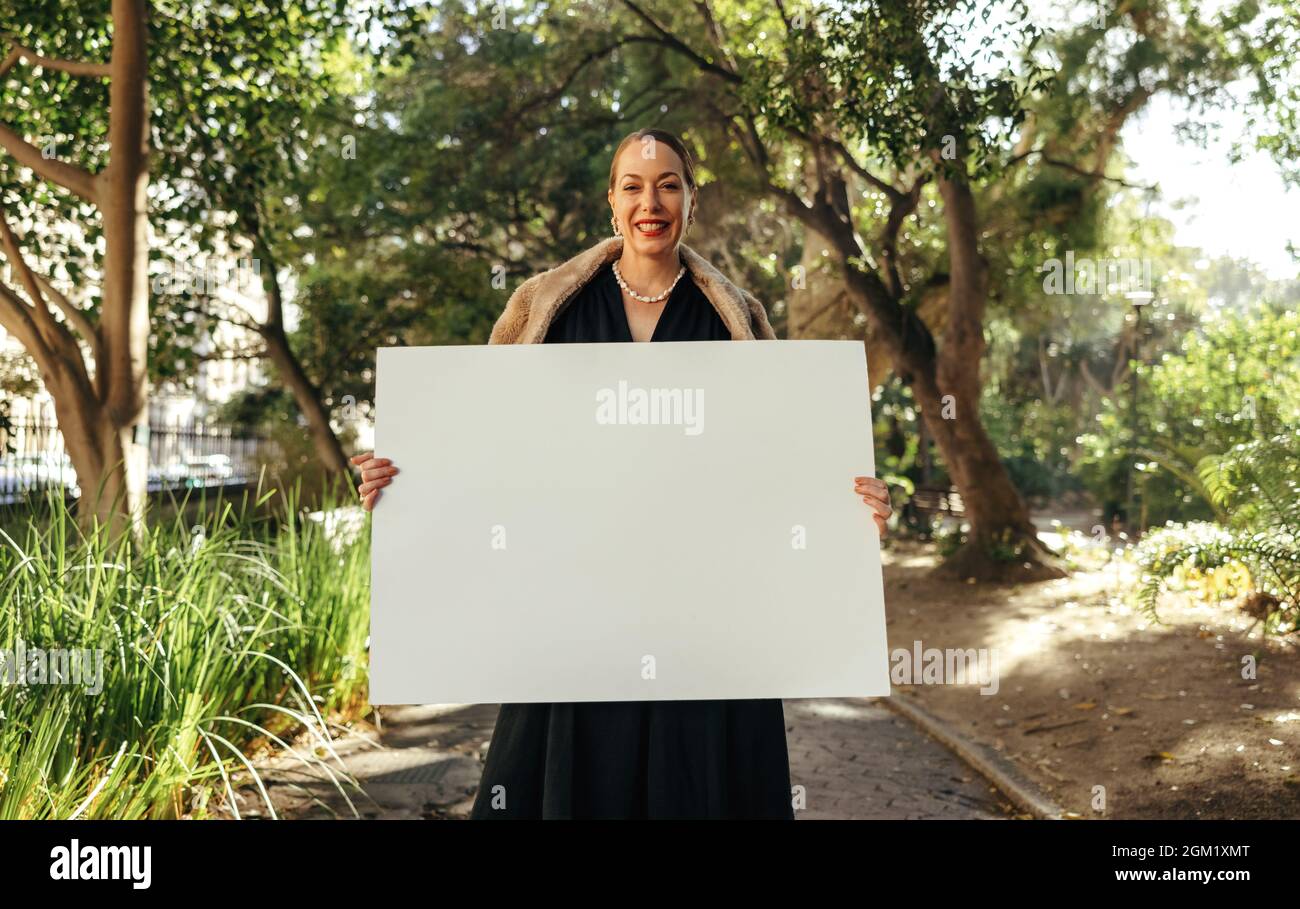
[650,191]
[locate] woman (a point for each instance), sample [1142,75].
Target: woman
[655,759]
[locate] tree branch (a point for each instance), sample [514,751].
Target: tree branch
[1077,170]
[249,324]
[677,44]
[586,61]
[58,353]
[75,179]
[41,316]
[38,287]
[893,192]
[81,322]
[75,67]
[248,355]
[16,317]
[785,17]
[899,210]
[1091,380]
[715,33]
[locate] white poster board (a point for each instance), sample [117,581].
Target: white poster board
[615,522]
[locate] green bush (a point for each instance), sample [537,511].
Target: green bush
[1258,485]
[1231,381]
[217,634]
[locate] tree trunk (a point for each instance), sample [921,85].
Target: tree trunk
[104,421]
[125,321]
[305,392]
[308,398]
[1003,544]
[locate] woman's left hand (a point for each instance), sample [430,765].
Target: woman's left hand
[876,494]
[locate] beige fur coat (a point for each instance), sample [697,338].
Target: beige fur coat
[535,303]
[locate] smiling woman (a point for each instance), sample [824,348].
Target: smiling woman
[643,759]
[652,191]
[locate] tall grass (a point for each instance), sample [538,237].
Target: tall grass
[231,628]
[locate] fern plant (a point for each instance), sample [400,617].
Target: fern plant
[1257,485]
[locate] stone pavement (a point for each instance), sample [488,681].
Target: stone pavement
[855,758]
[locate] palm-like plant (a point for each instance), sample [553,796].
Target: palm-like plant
[1257,485]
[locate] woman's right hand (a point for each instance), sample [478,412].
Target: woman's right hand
[376,473]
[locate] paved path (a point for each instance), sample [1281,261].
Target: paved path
[855,759]
[858,759]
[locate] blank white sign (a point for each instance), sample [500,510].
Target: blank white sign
[614,522]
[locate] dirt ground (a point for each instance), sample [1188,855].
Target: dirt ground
[1091,693]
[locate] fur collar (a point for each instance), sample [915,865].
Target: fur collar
[534,305]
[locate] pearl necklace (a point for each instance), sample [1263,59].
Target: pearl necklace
[636,296]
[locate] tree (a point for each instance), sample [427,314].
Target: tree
[878,123]
[207,112]
[93,365]
[893,89]
[260,87]
[922,147]
[444,199]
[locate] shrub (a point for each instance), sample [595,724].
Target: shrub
[1258,485]
[217,634]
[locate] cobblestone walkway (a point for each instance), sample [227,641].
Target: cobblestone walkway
[854,759]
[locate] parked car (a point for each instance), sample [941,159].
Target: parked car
[209,470]
[192,471]
[21,475]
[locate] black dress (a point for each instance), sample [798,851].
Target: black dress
[637,759]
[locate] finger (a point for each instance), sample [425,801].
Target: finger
[872,483]
[881,508]
[373,484]
[368,503]
[873,497]
[377,472]
[364,456]
[374,463]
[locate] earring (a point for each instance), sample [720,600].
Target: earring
[614,223]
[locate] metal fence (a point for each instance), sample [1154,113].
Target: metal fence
[182,455]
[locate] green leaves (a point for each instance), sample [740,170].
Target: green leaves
[904,78]
[1258,483]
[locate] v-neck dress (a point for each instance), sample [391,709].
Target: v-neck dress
[637,759]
